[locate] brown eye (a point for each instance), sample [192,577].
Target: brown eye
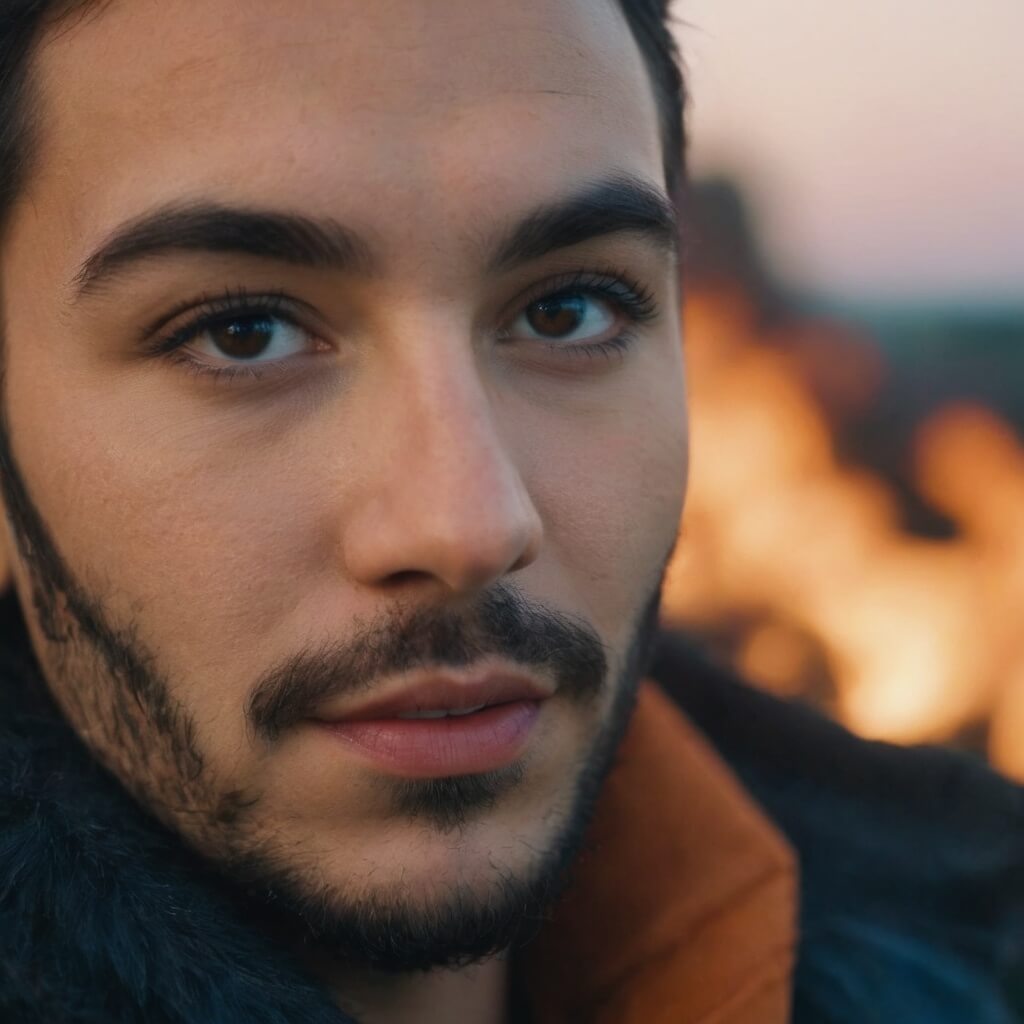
[557,316]
[253,338]
[566,316]
[244,338]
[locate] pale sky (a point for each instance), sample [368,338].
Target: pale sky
[883,141]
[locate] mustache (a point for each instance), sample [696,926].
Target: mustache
[502,623]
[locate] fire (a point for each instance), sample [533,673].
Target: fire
[804,561]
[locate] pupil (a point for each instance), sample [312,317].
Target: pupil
[557,316]
[243,339]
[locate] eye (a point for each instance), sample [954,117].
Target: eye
[566,316]
[250,338]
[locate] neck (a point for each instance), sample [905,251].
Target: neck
[478,994]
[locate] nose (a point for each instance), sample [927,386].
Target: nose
[442,497]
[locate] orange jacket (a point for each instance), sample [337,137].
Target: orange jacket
[684,909]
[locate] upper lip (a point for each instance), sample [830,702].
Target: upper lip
[443,691]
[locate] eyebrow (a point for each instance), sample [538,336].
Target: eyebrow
[621,203]
[216,228]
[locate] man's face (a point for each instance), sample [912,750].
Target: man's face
[280,481]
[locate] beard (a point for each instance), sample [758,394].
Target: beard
[104,673]
[398,933]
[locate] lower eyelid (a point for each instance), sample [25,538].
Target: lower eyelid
[195,365]
[199,368]
[614,346]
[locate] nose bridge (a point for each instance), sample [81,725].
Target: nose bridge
[446,497]
[450,426]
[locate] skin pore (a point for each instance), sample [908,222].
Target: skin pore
[398,387]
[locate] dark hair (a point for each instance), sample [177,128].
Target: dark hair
[23,22]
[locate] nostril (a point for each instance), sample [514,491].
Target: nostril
[407,577]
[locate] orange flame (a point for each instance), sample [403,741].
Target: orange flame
[917,639]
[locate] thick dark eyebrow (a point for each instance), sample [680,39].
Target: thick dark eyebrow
[608,206]
[622,203]
[212,227]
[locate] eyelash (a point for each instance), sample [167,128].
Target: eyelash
[209,312]
[633,299]
[619,287]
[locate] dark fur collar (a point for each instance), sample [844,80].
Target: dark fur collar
[105,918]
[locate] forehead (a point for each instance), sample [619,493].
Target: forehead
[424,113]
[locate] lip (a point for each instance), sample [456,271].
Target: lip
[448,691]
[484,740]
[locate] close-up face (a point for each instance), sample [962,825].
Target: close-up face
[343,385]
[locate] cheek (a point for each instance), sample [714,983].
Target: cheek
[611,493]
[193,529]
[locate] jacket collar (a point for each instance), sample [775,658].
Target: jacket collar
[683,909]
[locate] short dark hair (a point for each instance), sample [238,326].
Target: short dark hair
[23,22]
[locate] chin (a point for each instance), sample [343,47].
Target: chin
[418,900]
[460,869]
[460,832]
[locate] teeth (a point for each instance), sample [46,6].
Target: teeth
[441,714]
[468,711]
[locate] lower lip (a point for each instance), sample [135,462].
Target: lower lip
[436,747]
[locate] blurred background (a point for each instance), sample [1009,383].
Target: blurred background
[855,338]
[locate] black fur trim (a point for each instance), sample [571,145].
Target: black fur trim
[105,916]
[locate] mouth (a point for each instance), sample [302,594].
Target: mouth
[442,725]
